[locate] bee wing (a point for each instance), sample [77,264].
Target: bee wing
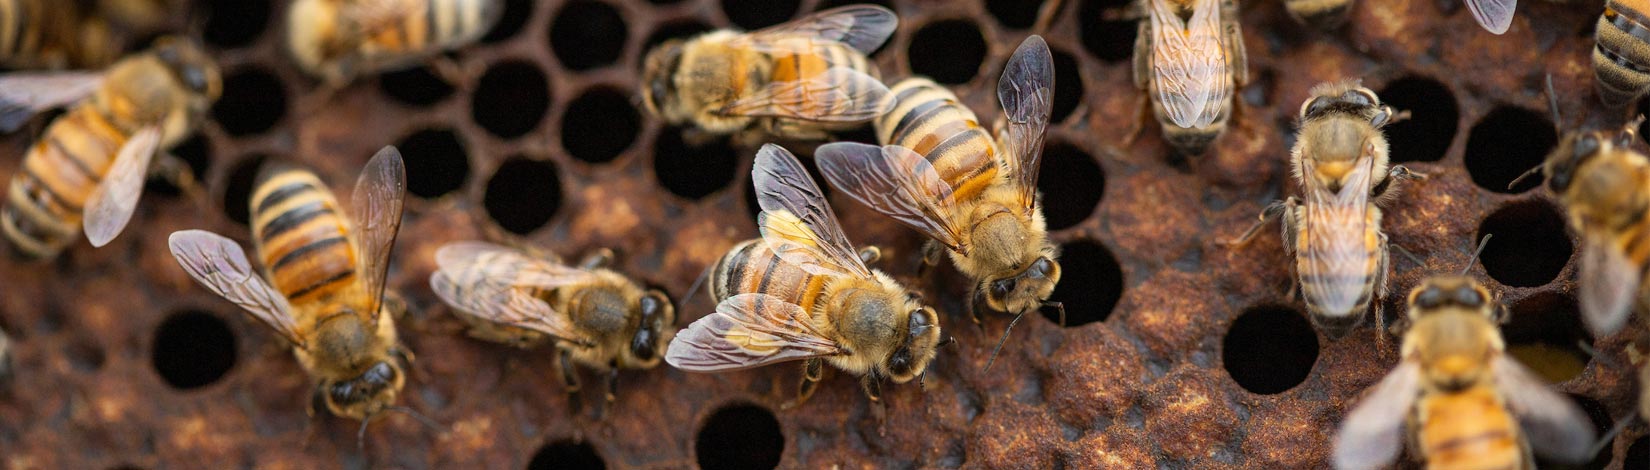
[1555,426]
[111,204]
[375,207]
[1026,91]
[220,265]
[1608,281]
[1189,63]
[24,94]
[896,182]
[1372,433]
[1337,222]
[499,284]
[839,94]
[796,221]
[862,27]
[749,330]
[1494,15]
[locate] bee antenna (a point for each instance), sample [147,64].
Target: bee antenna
[1484,242]
[1527,174]
[697,282]
[1004,339]
[1609,436]
[361,433]
[1552,104]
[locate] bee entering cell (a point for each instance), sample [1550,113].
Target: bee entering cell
[567,455]
[739,437]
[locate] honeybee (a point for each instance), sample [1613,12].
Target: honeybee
[325,278]
[595,316]
[87,169]
[942,174]
[1620,52]
[338,40]
[802,292]
[1463,400]
[1494,15]
[1340,160]
[47,34]
[1325,14]
[1189,58]
[796,80]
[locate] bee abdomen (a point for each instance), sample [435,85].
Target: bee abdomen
[454,22]
[751,267]
[301,235]
[1469,429]
[48,193]
[1621,55]
[929,120]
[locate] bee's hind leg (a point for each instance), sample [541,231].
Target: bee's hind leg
[569,375]
[870,254]
[176,171]
[597,259]
[813,370]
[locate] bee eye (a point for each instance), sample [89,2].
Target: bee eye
[1468,297]
[641,345]
[918,320]
[1000,289]
[1041,268]
[1585,146]
[194,78]
[1313,106]
[1358,97]
[1559,180]
[1431,297]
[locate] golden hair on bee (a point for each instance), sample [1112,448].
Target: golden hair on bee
[50,34]
[1189,59]
[338,40]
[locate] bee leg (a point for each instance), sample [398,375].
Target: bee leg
[1272,211]
[394,304]
[600,258]
[813,370]
[870,254]
[612,382]
[176,171]
[1394,175]
[974,303]
[569,375]
[1630,131]
[879,408]
[931,252]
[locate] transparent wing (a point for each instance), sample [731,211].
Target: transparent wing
[1494,15]
[501,285]
[1189,63]
[1555,426]
[1372,434]
[508,265]
[749,330]
[220,265]
[111,204]
[376,209]
[24,94]
[896,182]
[1026,91]
[862,27]
[839,94]
[1336,226]
[796,221]
[1608,281]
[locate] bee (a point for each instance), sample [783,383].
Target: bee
[1494,15]
[1324,14]
[46,34]
[1619,52]
[322,286]
[1464,401]
[595,316]
[802,292]
[1189,58]
[942,174]
[1340,160]
[338,40]
[795,80]
[87,170]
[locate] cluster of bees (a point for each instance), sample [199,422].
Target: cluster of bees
[803,291]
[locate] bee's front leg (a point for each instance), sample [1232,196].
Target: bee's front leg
[1284,208]
[813,370]
[931,253]
[569,375]
[870,254]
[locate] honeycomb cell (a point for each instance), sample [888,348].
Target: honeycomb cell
[1506,143]
[235,23]
[238,194]
[1068,85]
[567,455]
[515,16]
[253,101]
[829,4]
[1270,349]
[1111,38]
[1638,454]
[1601,421]
[599,125]
[948,51]
[693,170]
[523,194]
[739,437]
[511,98]
[1427,134]
[757,14]
[587,34]
[436,161]
[417,86]
[192,349]
[1071,184]
[1017,14]
[1546,334]
[1091,283]
[1529,246]
[196,152]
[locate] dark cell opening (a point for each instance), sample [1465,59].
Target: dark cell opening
[1107,31]
[1506,143]
[663,2]
[948,51]
[523,194]
[1426,135]
[829,4]
[693,171]
[511,99]
[1600,418]
[1068,85]
[587,34]
[1638,454]
[1529,246]
[753,207]
[197,154]
[239,191]
[599,125]
[253,101]
[1270,349]
[757,14]
[1071,183]
[417,86]
[1091,282]
[567,455]
[235,23]
[193,349]
[516,14]
[739,437]
[1017,14]
[436,162]
[1546,334]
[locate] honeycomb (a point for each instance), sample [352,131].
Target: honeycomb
[1180,352]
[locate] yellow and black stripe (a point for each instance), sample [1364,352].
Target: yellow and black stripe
[751,267]
[1621,54]
[1469,429]
[301,234]
[443,24]
[59,172]
[52,34]
[929,120]
[818,57]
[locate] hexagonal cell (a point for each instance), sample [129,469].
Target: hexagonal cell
[1638,453]
[196,152]
[567,455]
[599,125]
[235,23]
[515,16]
[510,99]
[1529,246]
[1506,143]
[1068,85]
[1545,333]
[192,349]
[829,4]
[253,101]
[1017,14]
[587,34]
[1427,134]
[238,193]
[741,436]
[523,194]
[1270,349]
[417,86]
[948,51]
[693,170]
[1111,37]
[1091,283]
[1072,185]
[757,14]
[436,161]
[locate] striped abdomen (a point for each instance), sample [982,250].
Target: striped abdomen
[434,25]
[45,199]
[751,267]
[1337,255]
[301,235]
[929,120]
[1469,429]
[809,66]
[1324,14]
[1621,54]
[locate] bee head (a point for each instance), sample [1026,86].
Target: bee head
[365,394]
[1348,98]
[1573,150]
[1448,291]
[657,316]
[1025,290]
[659,74]
[190,66]
[922,338]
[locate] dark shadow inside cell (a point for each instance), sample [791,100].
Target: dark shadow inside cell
[1270,349]
[195,152]
[523,194]
[253,101]
[193,349]
[739,437]
[587,34]
[510,99]
[948,51]
[693,170]
[1091,283]
[1638,455]
[1599,417]
[235,23]
[1427,134]
[417,86]
[1546,334]
[1529,246]
[756,14]
[1017,14]
[829,4]
[1068,85]
[436,161]
[515,16]
[753,207]
[1071,183]
[238,193]
[1107,32]
[599,125]
[1506,143]
[567,455]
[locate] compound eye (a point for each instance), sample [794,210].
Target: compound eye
[1357,98]
[195,79]
[1312,107]
[1586,146]
[1468,297]
[919,320]
[1431,297]
[1000,289]
[1041,268]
